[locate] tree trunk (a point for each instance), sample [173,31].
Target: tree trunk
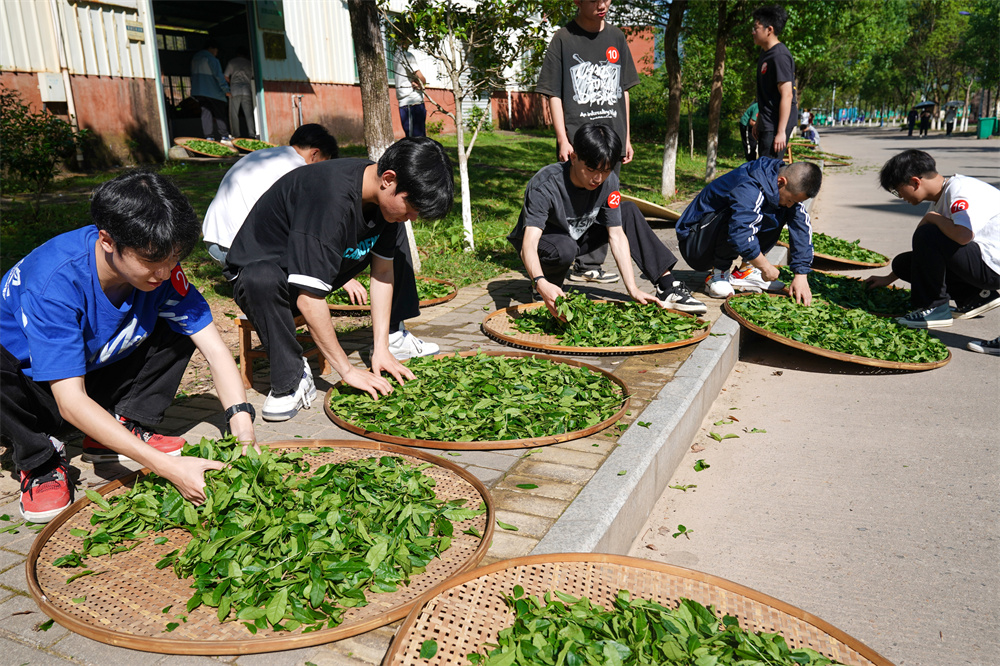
[374,83]
[690,128]
[715,97]
[668,178]
[463,156]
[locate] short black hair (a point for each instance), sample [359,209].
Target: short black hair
[599,146]
[803,178]
[423,173]
[146,212]
[900,168]
[771,16]
[313,135]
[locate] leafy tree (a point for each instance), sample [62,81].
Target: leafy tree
[473,45]
[731,13]
[33,144]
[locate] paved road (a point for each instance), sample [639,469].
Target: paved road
[872,500]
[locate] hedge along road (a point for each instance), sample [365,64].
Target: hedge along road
[872,498]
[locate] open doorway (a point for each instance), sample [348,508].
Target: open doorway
[183,28]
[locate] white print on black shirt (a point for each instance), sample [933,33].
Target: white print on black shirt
[595,84]
[579,225]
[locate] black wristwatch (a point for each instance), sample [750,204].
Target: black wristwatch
[241,407]
[535,280]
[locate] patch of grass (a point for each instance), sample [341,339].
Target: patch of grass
[501,165]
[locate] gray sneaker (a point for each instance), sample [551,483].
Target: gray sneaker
[981,304]
[991,347]
[939,317]
[598,275]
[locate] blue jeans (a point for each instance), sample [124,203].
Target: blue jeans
[414,119]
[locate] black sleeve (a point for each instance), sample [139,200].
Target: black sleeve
[385,246]
[630,77]
[551,75]
[784,67]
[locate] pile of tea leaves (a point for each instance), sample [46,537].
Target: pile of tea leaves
[251,144]
[847,331]
[209,147]
[483,398]
[609,324]
[427,290]
[277,544]
[561,629]
[848,292]
[832,246]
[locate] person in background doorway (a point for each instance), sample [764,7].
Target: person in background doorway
[239,74]
[747,122]
[410,83]
[210,88]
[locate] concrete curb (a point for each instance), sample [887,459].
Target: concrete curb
[609,512]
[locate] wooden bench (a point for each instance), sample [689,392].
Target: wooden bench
[248,353]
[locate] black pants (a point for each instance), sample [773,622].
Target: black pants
[765,140]
[263,293]
[707,244]
[946,269]
[909,127]
[749,143]
[557,250]
[140,387]
[214,113]
[950,127]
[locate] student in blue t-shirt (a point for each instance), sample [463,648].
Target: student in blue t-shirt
[98,325]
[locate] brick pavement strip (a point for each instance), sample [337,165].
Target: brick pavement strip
[560,471]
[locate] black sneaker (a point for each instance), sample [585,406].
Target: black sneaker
[678,297]
[986,346]
[593,275]
[984,302]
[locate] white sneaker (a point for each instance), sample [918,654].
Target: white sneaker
[284,407]
[403,345]
[717,284]
[752,279]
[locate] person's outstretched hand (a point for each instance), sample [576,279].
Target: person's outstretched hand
[356,293]
[187,473]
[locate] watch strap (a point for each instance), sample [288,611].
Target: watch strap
[241,407]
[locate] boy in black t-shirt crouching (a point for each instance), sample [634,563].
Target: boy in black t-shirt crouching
[574,207]
[314,230]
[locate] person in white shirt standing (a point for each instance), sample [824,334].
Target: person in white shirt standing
[956,245]
[410,83]
[239,74]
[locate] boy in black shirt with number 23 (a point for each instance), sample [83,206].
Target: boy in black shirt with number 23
[572,207]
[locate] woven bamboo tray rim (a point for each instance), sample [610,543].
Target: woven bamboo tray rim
[524,443]
[349,307]
[499,326]
[248,150]
[466,611]
[652,209]
[841,260]
[126,610]
[183,140]
[828,353]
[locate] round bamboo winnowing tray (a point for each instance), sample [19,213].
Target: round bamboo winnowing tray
[349,307]
[499,444]
[182,141]
[240,148]
[828,353]
[499,325]
[123,604]
[886,315]
[467,611]
[841,260]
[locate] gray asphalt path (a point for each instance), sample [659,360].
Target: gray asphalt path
[872,499]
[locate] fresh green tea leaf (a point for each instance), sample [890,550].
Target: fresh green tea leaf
[428,649]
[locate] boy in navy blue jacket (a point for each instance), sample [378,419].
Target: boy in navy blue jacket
[741,214]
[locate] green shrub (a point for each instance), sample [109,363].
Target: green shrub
[33,145]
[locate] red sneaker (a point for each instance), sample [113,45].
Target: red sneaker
[95,452]
[46,492]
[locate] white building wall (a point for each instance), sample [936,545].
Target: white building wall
[94,37]
[318,44]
